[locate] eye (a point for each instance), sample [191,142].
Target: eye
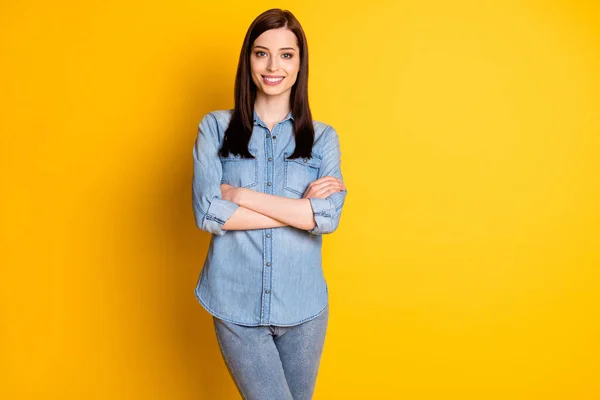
[287,55]
[260,54]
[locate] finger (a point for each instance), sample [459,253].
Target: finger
[324,179]
[324,189]
[331,188]
[325,183]
[336,186]
[325,192]
[336,181]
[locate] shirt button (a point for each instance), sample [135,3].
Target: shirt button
[274,137]
[267,291]
[268,135]
[268,264]
[268,183]
[270,158]
[268,235]
[305,160]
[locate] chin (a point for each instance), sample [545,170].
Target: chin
[269,91]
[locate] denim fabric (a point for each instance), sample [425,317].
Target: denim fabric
[263,276]
[273,363]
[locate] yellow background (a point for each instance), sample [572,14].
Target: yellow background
[466,265]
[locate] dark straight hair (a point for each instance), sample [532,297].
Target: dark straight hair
[237,135]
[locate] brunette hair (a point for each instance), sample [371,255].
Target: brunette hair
[237,135]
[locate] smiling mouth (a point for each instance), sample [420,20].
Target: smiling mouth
[272,79]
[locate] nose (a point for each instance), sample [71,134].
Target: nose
[273,64]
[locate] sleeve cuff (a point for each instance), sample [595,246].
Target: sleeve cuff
[217,214]
[322,214]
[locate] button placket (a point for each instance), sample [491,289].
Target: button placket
[267,238]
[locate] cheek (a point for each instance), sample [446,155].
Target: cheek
[294,79]
[296,64]
[258,65]
[253,66]
[293,70]
[255,71]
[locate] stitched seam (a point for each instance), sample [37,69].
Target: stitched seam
[265,190]
[254,161]
[229,367]
[196,202]
[304,320]
[262,291]
[218,315]
[270,269]
[298,161]
[213,218]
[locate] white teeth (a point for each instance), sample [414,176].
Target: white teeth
[273,79]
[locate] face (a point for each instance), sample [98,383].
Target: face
[275,62]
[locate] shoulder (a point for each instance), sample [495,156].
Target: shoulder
[324,133]
[216,121]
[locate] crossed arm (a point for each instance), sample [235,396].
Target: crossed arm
[261,210]
[220,207]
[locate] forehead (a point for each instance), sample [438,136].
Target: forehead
[275,39]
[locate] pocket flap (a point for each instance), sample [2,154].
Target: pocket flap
[314,162]
[236,157]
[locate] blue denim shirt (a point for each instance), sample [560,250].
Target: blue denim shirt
[263,276]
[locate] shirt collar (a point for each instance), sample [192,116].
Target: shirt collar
[258,121]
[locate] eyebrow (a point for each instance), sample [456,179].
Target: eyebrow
[283,48]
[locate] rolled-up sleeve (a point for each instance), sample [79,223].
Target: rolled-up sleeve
[210,210]
[327,212]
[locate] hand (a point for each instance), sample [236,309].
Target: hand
[323,187]
[228,192]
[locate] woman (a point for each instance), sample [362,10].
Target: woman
[267,184]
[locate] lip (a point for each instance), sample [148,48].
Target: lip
[266,82]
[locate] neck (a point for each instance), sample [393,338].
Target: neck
[272,108]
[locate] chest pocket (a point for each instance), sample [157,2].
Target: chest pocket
[300,172]
[240,172]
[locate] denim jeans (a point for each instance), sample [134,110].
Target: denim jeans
[273,362]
